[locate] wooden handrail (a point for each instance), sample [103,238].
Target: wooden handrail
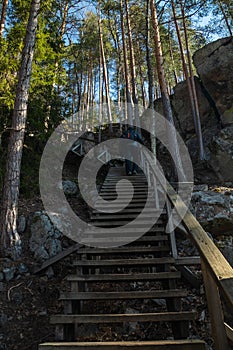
[217,272]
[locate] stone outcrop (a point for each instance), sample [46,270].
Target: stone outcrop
[214,211]
[214,66]
[45,240]
[214,86]
[181,107]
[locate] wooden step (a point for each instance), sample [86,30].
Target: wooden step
[125,277]
[105,216]
[139,222]
[126,250]
[128,345]
[122,201]
[122,205]
[156,294]
[124,230]
[119,318]
[151,210]
[120,241]
[124,262]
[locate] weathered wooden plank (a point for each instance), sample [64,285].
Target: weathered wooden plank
[119,318]
[188,260]
[215,310]
[124,262]
[126,277]
[58,257]
[229,332]
[128,250]
[156,294]
[130,345]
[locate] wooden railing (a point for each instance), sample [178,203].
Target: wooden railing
[217,272]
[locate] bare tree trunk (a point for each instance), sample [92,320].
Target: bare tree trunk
[9,208]
[225,17]
[148,58]
[132,67]
[3,17]
[165,97]
[194,93]
[126,68]
[105,75]
[172,57]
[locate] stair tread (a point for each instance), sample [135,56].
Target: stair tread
[134,210]
[128,250]
[139,222]
[121,240]
[126,277]
[156,294]
[124,262]
[123,230]
[187,344]
[118,318]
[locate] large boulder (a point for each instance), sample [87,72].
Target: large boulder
[214,66]
[181,107]
[221,154]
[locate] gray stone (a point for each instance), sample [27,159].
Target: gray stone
[209,198]
[22,268]
[22,224]
[3,319]
[214,211]
[69,187]
[213,63]
[9,273]
[50,272]
[45,238]
[221,154]
[203,187]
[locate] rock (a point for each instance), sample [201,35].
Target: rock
[49,272]
[69,187]
[22,268]
[203,187]
[228,253]
[45,239]
[3,319]
[213,63]
[1,276]
[214,211]
[221,154]
[9,273]
[22,224]
[181,106]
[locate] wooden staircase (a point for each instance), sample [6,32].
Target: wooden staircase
[141,271]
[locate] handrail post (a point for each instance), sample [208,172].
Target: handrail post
[171,230]
[215,310]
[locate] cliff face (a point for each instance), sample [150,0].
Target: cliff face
[214,86]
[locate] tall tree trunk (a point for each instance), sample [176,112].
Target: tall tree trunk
[165,97]
[172,56]
[9,208]
[194,93]
[105,75]
[148,57]
[132,66]
[3,17]
[126,68]
[225,16]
